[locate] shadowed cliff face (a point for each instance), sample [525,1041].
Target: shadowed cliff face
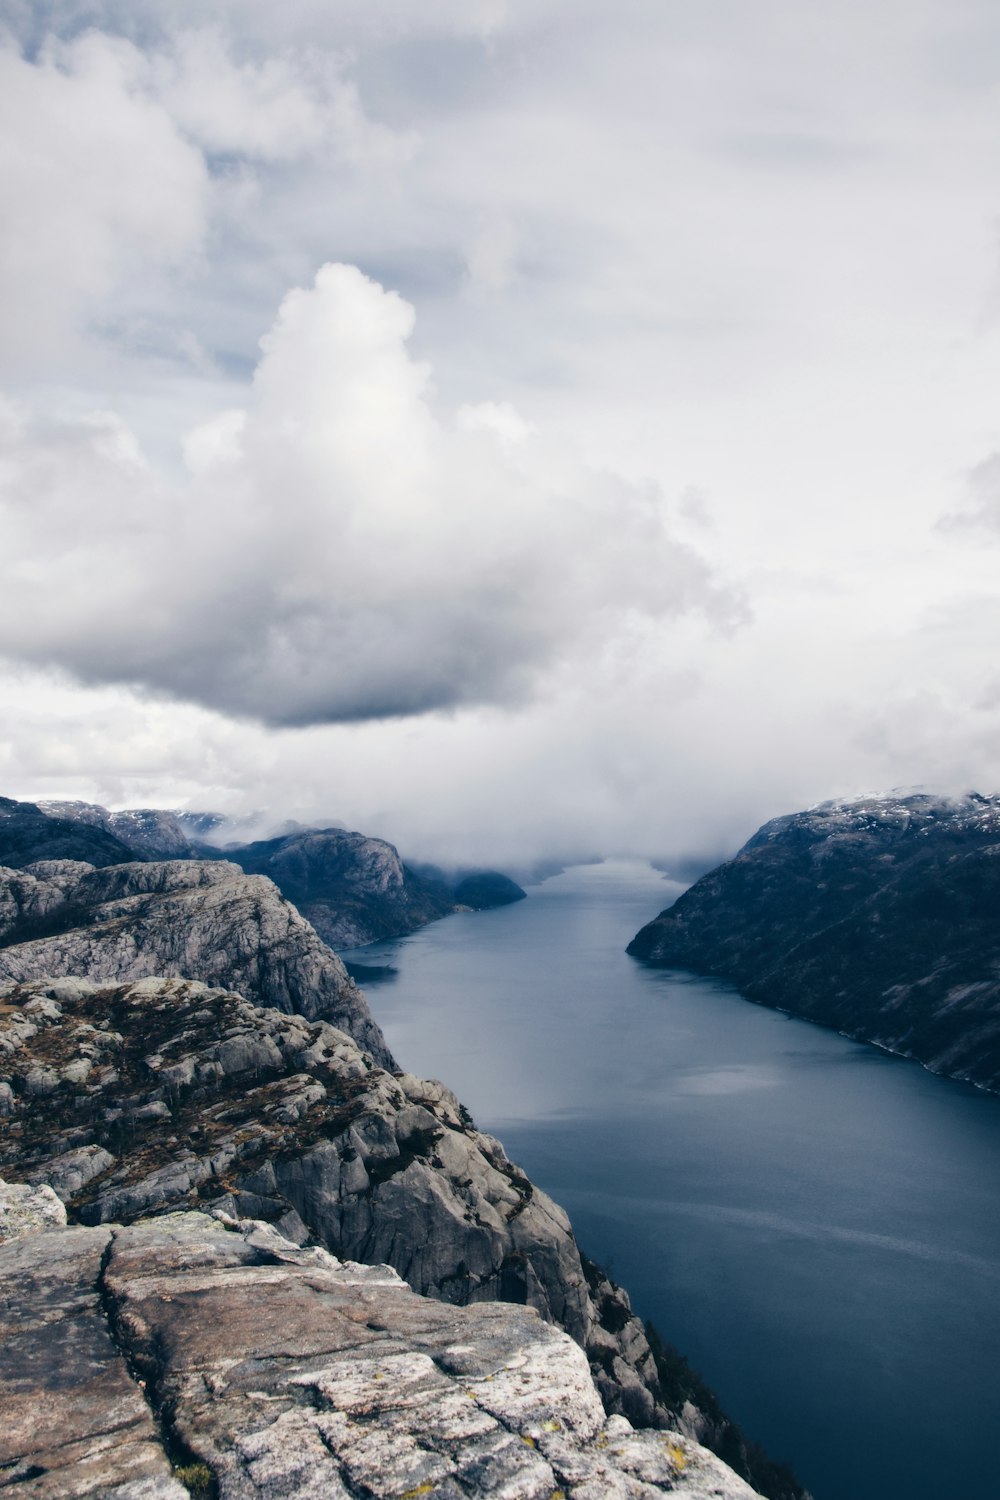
[203,919]
[29,834]
[188,1355]
[877,917]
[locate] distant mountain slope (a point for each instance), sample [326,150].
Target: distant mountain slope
[353,889]
[879,917]
[149,832]
[356,890]
[28,833]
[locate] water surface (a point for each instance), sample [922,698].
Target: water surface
[812,1222]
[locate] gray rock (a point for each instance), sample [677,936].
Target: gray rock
[286,1373]
[69,1174]
[25,1210]
[74,1420]
[197,918]
[277,1116]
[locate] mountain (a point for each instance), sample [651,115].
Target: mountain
[197,1355]
[148,832]
[201,919]
[876,916]
[28,834]
[131,1099]
[353,889]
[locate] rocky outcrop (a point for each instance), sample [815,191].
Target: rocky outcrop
[197,918]
[186,1355]
[875,916]
[28,834]
[165,1094]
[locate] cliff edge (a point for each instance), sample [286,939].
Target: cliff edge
[185,1355]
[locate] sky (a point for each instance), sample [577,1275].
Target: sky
[513,428]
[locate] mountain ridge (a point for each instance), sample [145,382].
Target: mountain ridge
[874,915]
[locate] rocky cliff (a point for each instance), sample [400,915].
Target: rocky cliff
[353,889]
[203,919]
[876,916]
[185,1355]
[356,890]
[139,1098]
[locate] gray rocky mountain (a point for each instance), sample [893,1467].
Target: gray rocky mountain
[149,833]
[28,834]
[197,918]
[356,890]
[876,916]
[188,1355]
[353,889]
[133,1099]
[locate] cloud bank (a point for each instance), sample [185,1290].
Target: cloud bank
[340,551]
[750,254]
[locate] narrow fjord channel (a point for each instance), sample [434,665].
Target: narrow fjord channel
[813,1223]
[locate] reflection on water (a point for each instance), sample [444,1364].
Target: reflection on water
[810,1220]
[735,1079]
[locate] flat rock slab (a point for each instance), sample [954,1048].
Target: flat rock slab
[75,1422]
[287,1373]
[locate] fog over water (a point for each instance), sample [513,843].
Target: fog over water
[811,1221]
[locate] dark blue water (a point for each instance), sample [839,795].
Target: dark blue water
[814,1223]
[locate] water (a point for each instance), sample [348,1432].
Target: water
[812,1222]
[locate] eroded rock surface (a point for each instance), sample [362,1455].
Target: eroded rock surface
[269,1371]
[199,918]
[132,1099]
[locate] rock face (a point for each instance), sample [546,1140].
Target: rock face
[877,917]
[199,918]
[28,834]
[166,1094]
[184,1355]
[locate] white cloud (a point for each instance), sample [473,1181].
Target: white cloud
[742,259]
[276,109]
[342,551]
[96,183]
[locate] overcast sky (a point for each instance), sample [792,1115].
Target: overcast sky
[511,427]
